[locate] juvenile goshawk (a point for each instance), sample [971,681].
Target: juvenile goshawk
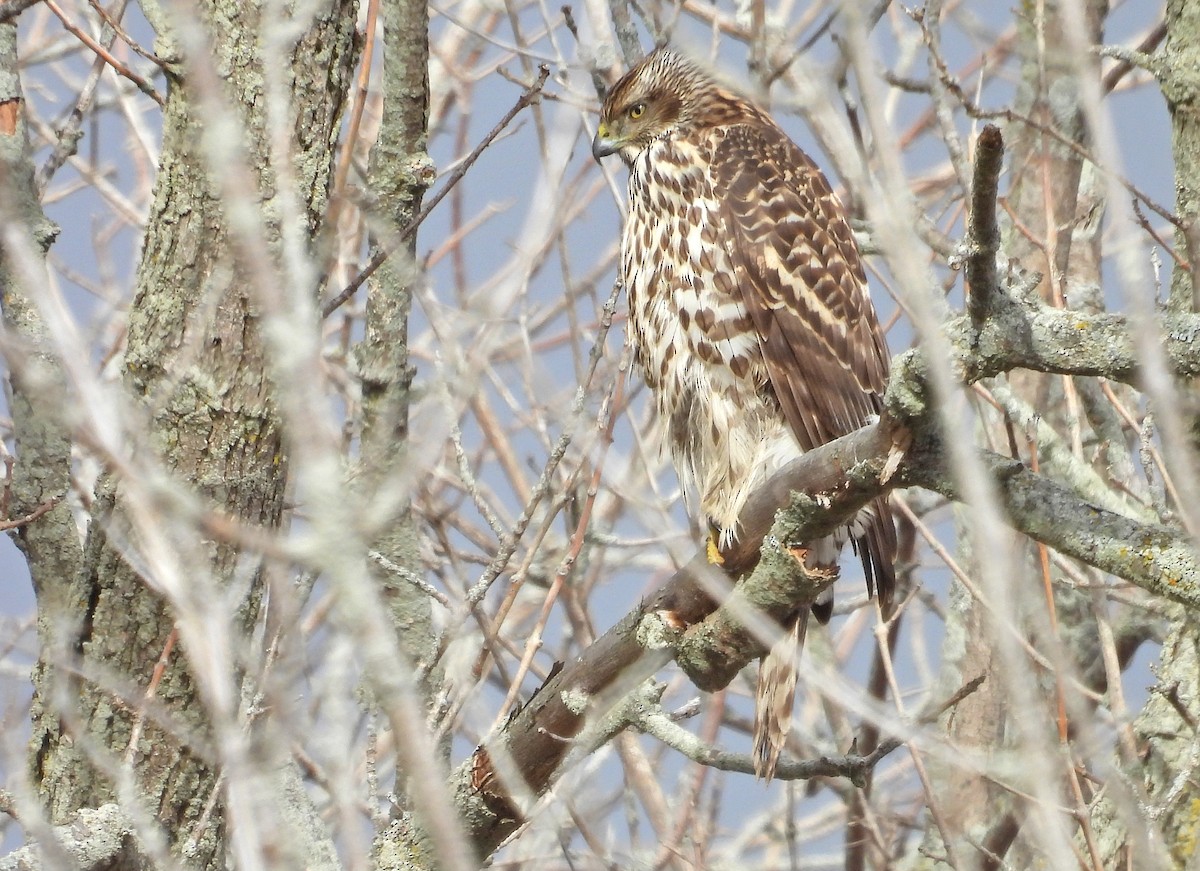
[750,319]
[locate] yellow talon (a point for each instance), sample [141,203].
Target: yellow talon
[714,552]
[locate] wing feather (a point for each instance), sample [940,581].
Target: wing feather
[801,280]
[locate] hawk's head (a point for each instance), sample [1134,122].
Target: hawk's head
[664,95]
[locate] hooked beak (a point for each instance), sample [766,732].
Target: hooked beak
[603,145]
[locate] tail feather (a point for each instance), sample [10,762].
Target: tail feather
[874,536]
[775,695]
[822,608]
[875,543]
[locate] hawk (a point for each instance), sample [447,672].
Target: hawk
[750,320]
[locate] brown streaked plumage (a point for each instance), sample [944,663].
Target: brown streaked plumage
[749,316]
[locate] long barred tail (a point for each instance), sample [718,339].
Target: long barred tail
[874,537]
[775,695]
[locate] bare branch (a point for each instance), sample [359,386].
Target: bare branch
[656,723]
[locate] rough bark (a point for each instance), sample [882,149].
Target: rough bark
[38,382]
[400,173]
[1179,79]
[41,476]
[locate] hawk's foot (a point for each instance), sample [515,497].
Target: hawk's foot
[714,549]
[811,567]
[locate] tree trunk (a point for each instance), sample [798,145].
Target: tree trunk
[195,371]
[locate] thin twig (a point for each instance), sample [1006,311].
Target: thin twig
[360,102]
[606,420]
[932,797]
[509,546]
[33,515]
[657,724]
[1011,115]
[139,718]
[411,577]
[142,85]
[125,37]
[1126,64]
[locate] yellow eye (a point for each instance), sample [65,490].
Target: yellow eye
[637,110]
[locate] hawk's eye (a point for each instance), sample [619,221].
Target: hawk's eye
[637,110]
